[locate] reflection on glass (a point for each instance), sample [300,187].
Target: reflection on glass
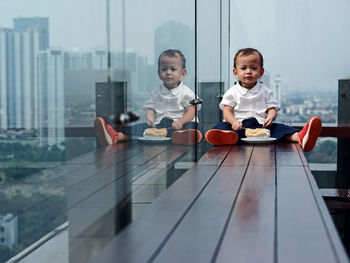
[169,112]
[55,59]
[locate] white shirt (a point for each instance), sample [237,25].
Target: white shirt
[170,103]
[248,103]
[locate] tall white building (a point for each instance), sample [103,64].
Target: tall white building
[26,45]
[50,85]
[4,54]
[8,230]
[99,59]
[18,48]
[276,86]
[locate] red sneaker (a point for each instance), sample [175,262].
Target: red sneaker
[186,137]
[221,137]
[105,133]
[309,134]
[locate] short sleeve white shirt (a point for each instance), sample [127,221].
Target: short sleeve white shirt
[170,103]
[250,103]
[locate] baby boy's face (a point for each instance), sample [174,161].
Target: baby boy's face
[248,70]
[171,71]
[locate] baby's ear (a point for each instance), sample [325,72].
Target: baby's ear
[235,73]
[184,72]
[262,72]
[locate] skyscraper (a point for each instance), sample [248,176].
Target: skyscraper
[50,85]
[4,53]
[277,88]
[38,24]
[18,48]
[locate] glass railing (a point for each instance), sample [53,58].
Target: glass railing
[60,69]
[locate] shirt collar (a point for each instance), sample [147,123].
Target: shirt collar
[244,91]
[173,91]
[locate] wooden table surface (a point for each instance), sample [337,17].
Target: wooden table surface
[241,203]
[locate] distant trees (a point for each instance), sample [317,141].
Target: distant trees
[37,216]
[18,156]
[324,152]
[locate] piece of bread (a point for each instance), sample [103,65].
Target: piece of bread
[257,133]
[155,132]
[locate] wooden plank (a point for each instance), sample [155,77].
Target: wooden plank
[196,237]
[146,155]
[97,184]
[99,154]
[239,155]
[96,181]
[263,154]
[249,236]
[140,240]
[328,221]
[302,155]
[215,156]
[171,154]
[285,146]
[287,154]
[301,233]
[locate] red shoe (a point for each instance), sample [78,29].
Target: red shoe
[309,134]
[105,133]
[186,137]
[221,137]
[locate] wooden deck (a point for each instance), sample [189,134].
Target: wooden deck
[240,203]
[107,188]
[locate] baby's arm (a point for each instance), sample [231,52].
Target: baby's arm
[187,117]
[271,115]
[150,117]
[230,118]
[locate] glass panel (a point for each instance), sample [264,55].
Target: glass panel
[50,60]
[303,47]
[64,63]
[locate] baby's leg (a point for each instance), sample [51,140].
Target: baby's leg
[307,137]
[123,137]
[292,137]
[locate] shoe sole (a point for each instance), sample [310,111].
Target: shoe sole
[220,137]
[186,137]
[313,132]
[101,133]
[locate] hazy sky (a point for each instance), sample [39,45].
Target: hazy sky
[305,41]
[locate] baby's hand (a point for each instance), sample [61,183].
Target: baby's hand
[267,122]
[237,125]
[176,125]
[150,121]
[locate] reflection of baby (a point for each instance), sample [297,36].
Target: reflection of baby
[167,107]
[250,104]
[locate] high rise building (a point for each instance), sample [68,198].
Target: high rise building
[50,85]
[99,59]
[277,88]
[4,70]
[8,230]
[26,45]
[18,48]
[38,24]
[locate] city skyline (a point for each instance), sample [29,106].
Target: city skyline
[30,35]
[296,51]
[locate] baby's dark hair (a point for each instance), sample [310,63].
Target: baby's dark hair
[173,53]
[247,52]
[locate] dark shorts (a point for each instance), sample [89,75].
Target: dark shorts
[277,130]
[138,128]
